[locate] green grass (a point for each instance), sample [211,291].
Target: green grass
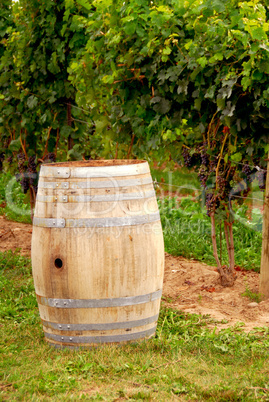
[13,203]
[180,181]
[187,232]
[185,361]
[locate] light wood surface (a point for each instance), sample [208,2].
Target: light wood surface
[97,262]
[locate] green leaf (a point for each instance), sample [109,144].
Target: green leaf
[108,79]
[167,50]
[232,148]
[197,104]
[258,33]
[264,67]
[169,135]
[216,57]
[221,103]
[229,110]
[236,157]
[161,105]
[210,93]
[182,87]
[32,101]
[130,28]
[202,61]
[85,3]
[15,145]
[101,123]
[66,131]
[246,82]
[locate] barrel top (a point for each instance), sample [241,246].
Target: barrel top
[96,163]
[98,168]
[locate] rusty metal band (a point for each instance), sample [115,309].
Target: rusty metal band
[88,184]
[100,327]
[99,303]
[96,198]
[101,338]
[97,222]
[94,171]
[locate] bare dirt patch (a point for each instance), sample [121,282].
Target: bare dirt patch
[189,285]
[15,235]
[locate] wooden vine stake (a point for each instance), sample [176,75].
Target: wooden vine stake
[264,272]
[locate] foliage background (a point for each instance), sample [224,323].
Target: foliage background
[150,77]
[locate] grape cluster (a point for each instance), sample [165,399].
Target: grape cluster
[246,169]
[27,175]
[21,159]
[203,175]
[213,164]
[204,155]
[187,157]
[212,203]
[261,176]
[221,183]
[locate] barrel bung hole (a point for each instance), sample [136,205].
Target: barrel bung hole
[58,263]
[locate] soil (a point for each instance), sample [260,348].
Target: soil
[189,285]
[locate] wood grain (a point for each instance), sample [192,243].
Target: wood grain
[97,262]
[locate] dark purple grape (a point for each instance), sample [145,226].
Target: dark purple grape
[32,172]
[21,159]
[213,164]
[248,172]
[25,184]
[221,183]
[203,175]
[246,169]
[187,157]
[204,155]
[211,203]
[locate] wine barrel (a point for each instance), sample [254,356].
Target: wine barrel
[97,252]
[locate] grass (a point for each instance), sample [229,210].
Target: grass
[253,296]
[181,181]
[185,361]
[13,203]
[187,232]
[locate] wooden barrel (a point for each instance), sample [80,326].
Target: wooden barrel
[97,252]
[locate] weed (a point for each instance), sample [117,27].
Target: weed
[254,296]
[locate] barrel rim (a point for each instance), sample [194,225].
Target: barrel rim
[96,163]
